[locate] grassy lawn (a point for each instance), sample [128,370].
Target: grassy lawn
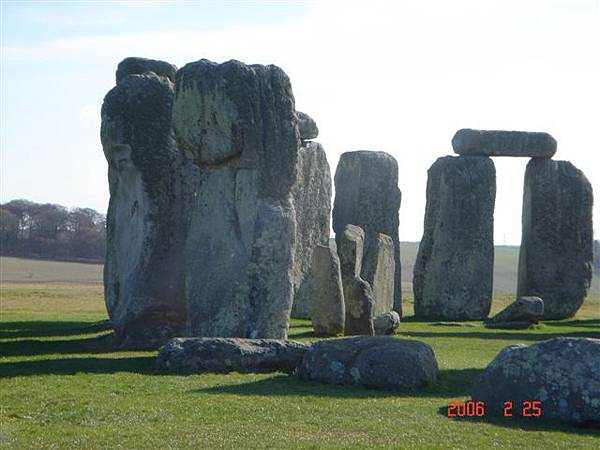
[63,385]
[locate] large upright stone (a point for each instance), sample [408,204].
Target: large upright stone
[237,122]
[367,195]
[358,295]
[556,257]
[312,201]
[143,273]
[327,305]
[454,266]
[378,266]
[503,143]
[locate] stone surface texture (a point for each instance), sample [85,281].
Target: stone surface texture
[454,267]
[328,312]
[503,143]
[379,267]
[312,202]
[367,195]
[139,66]
[238,124]
[307,127]
[529,309]
[377,362]
[556,256]
[143,273]
[224,355]
[386,323]
[358,295]
[562,373]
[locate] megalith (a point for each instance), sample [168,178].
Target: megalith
[358,294]
[327,309]
[367,195]
[238,124]
[503,143]
[144,268]
[556,256]
[379,267]
[311,196]
[454,266]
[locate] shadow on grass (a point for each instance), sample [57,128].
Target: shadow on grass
[514,335]
[451,383]
[97,344]
[593,323]
[70,366]
[38,328]
[524,423]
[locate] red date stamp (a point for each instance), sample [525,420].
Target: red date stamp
[529,408]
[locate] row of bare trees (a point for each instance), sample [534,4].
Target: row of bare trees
[35,230]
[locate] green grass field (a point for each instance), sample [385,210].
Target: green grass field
[64,385]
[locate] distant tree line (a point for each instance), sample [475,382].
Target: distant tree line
[34,230]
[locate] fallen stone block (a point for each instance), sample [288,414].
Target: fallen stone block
[224,355]
[378,362]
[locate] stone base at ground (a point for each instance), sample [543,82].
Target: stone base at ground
[562,373]
[224,355]
[527,309]
[379,362]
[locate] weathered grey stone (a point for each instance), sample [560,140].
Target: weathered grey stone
[143,273]
[528,309]
[555,260]
[307,127]
[312,202]
[358,295]
[454,266]
[367,195]
[359,301]
[503,143]
[386,323]
[562,373]
[238,124]
[139,66]
[224,355]
[327,307]
[378,266]
[379,362]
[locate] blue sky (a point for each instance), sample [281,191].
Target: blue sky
[397,76]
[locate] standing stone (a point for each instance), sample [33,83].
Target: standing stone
[143,273]
[555,262]
[238,124]
[379,267]
[454,266]
[312,202]
[327,306]
[367,195]
[358,295]
[503,143]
